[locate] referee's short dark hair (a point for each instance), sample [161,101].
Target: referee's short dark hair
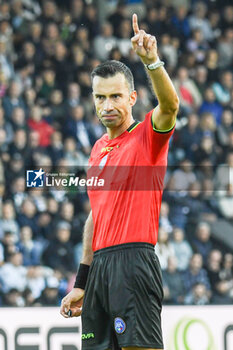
[111,68]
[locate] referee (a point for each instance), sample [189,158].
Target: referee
[118,288]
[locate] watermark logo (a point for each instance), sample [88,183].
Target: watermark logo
[35,178]
[62,180]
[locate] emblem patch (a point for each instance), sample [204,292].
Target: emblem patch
[103,161]
[119,325]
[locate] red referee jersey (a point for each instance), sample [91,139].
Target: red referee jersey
[126,211]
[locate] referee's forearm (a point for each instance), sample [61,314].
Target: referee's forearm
[164,90]
[87,255]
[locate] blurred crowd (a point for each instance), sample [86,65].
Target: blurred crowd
[47,50]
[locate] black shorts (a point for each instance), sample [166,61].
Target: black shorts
[123,299]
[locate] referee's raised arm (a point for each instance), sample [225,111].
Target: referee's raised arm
[145,46]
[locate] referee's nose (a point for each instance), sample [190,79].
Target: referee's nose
[108,106]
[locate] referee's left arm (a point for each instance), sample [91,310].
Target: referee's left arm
[145,45]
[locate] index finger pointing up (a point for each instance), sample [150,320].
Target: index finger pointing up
[135,24]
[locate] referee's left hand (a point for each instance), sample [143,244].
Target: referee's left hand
[71,305]
[145,45]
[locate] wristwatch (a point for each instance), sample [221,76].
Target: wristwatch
[154,65]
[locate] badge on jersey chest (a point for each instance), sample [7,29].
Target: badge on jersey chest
[103,162]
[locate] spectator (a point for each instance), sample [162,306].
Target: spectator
[202,243]
[164,221]
[182,249]
[209,200]
[37,123]
[226,272]
[19,144]
[60,63]
[49,296]
[6,126]
[181,23]
[223,294]
[104,42]
[172,283]
[59,253]
[197,45]
[49,12]
[73,156]
[18,119]
[17,192]
[208,124]
[117,17]
[27,216]
[225,202]
[13,274]
[200,78]
[91,19]
[73,96]
[15,168]
[76,10]
[8,221]
[225,50]
[211,64]
[224,129]
[37,195]
[187,90]
[46,85]
[78,128]
[12,99]
[6,65]
[13,298]
[189,137]
[214,268]
[143,103]
[210,105]
[55,149]
[223,88]
[37,279]
[224,174]
[199,20]
[27,57]
[169,50]
[227,17]
[124,33]
[205,150]
[164,248]
[56,108]
[9,245]
[198,296]
[1,254]
[195,274]
[35,34]
[184,176]
[30,249]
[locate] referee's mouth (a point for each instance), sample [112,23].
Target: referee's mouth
[110,116]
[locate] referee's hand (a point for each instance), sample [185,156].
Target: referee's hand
[145,45]
[71,305]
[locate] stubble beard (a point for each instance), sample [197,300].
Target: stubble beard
[110,124]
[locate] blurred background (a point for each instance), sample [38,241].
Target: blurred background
[47,50]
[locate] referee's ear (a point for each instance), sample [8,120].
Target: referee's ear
[133,98]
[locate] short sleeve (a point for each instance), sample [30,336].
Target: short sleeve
[155,142]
